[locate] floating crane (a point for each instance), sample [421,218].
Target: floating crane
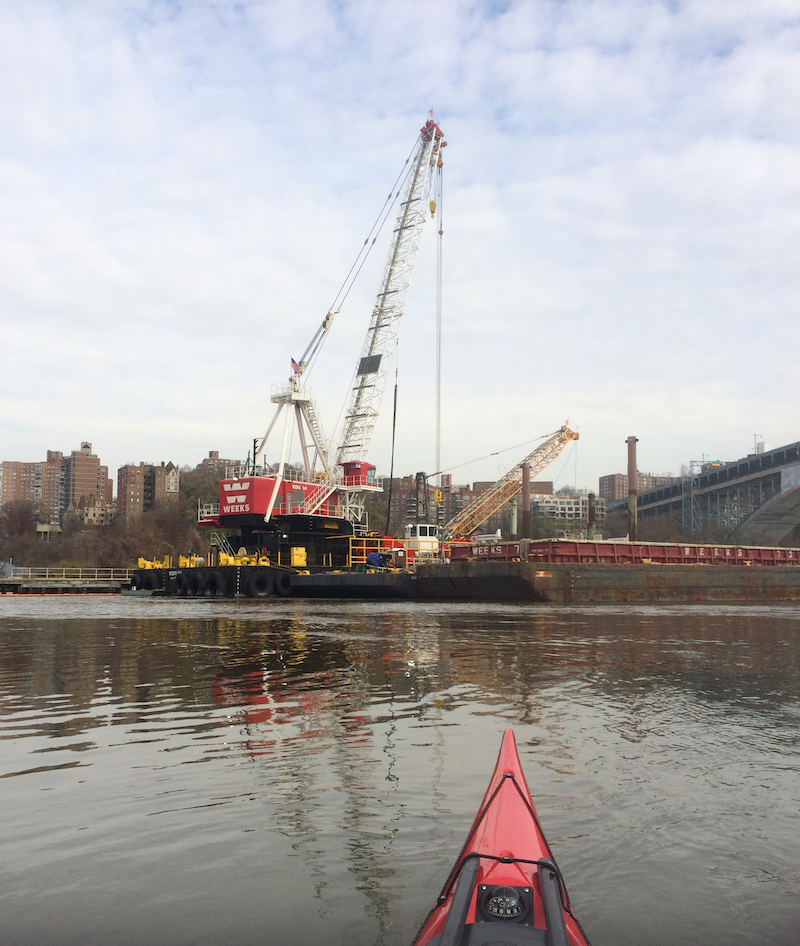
[488,503]
[334,480]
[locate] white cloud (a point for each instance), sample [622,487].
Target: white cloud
[185,186]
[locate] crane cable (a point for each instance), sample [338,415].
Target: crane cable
[438,193]
[401,178]
[367,247]
[494,454]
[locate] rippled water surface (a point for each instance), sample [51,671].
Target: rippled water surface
[176,772]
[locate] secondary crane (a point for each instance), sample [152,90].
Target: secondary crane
[334,480]
[508,486]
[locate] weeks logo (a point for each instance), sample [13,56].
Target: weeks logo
[236,501]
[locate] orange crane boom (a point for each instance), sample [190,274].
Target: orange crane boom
[507,487]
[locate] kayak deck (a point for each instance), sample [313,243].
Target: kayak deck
[505,887]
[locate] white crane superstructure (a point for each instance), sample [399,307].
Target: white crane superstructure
[346,473]
[380,342]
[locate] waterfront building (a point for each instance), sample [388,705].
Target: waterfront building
[146,486]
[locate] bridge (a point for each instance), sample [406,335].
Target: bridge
[756,499]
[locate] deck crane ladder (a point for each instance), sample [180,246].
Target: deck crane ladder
[507,487]
[373,367]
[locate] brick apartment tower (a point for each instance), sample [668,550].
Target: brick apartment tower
[57,482]
[144,487]
[85,476]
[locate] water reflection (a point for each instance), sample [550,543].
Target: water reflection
[350,744]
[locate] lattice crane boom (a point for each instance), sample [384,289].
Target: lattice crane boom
[508,486]
[381,339]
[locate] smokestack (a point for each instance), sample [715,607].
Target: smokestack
[592,516]
[526,501]
[633,483]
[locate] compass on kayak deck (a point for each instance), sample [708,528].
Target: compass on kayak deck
[504,903]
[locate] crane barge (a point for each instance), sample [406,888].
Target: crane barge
[312,515]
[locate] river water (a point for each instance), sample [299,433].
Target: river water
[185,771]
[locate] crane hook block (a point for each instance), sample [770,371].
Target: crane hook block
[432,205]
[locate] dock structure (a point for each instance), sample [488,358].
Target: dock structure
[758,497]
[59,581]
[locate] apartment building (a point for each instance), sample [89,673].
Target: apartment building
[85,476]
[145,486]
[615,485]
[59,482]
[567,507]
[213,464]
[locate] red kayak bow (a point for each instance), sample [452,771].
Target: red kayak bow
[505,887]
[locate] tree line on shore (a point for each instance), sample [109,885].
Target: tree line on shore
[168,530]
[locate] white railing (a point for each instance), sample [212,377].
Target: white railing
[87,574]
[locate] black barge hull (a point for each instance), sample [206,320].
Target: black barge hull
[553,582]
[256,581]
[585,583]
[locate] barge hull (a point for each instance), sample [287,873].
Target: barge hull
[255,581]
[579,583]
[365,586]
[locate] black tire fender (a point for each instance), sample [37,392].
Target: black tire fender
[259,584]
[283,583]
[151,580]
[217,585]
[195,584]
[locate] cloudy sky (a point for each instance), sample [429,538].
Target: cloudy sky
[184,186]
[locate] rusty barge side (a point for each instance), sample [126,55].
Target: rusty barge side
[587,583]
[587,571]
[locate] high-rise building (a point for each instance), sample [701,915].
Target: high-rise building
[130,489]
[56,483]
[22,481]
[53,503]
[84,476]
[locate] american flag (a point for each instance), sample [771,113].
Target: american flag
[295,367]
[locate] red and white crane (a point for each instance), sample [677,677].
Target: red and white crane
[334,479]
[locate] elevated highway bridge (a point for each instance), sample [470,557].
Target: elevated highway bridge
[756,498]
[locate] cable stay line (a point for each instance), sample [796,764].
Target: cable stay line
[495,453]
